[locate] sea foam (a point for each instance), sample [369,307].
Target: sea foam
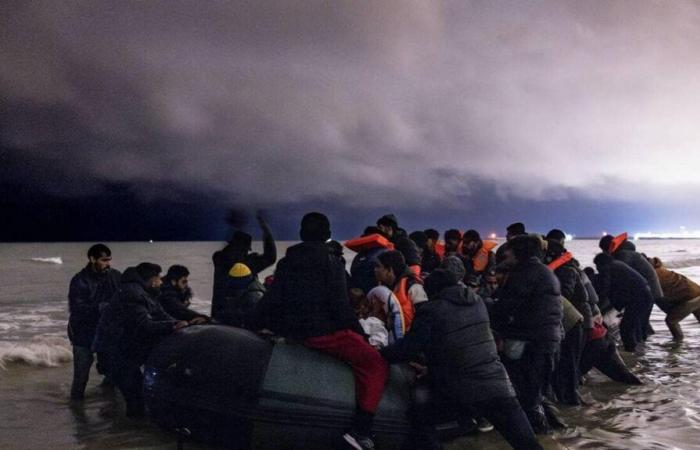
[42,351]
[48,260]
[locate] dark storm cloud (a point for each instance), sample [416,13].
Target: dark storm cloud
[360,103]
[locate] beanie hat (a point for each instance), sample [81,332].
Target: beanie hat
[315,227]
[240,276]
[556,235]
[438,280]
[605,242]
[148,270]
[515,228]
[389,220]
[455,266]
[471,235]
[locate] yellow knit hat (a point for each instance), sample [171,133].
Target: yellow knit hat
[239,270]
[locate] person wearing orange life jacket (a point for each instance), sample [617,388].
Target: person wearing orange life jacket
[388,224]
[477,256]
[430,259]
[391,271]
[368,247]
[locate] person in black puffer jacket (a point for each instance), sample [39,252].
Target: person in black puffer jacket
[175,296]
[308,300]
[528,316]
[242,296]
[131,326]
[452,330]
[566,377]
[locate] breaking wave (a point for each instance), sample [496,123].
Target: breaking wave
[49,260]
[40,351]
[682,263]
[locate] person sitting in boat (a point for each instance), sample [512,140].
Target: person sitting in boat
[389,226]
[308,301]
[453,242]
[241,297]
[452,330]
[372,317]
[513,230]
[175,296]
[477,256]
[430,259]
[681,297]
[391,271]
[239,250]
[368,247]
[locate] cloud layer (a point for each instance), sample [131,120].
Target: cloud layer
[370,104]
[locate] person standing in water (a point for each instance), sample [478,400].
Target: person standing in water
[89,289]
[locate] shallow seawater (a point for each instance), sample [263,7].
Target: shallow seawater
[664,413]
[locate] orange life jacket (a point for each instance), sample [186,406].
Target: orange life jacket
[563,259]
[368,242]
[415,269]
[407,308]
[481,260]
[617,242]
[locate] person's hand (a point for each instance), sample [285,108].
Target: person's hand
[420,369]
[181,324]
[198,321]
[261,220]
[598,319]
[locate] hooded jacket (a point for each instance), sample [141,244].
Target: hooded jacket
[677,288]
[225,259]
[239,306]
[627,253]
[88,290]
[175,302]
[308,296]
[362,269]
[134,322]
[528,306]
[453,331]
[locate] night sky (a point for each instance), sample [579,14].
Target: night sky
[150,120]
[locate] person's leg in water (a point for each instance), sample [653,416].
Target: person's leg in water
[603,355]
[82,362]
[129,380]
[629,329]
[680,312]
[566,375]
[371,372]
[509,419]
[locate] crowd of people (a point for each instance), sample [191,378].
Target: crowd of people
[498,334]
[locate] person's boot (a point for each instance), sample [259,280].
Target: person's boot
[550,413]
[676,331]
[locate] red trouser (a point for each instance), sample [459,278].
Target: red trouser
[370,369]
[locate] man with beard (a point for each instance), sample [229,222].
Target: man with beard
[134,324]
[89,289]
[175,296]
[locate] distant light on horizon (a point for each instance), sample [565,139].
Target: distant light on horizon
[492,236]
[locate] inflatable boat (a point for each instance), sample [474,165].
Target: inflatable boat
[228,386]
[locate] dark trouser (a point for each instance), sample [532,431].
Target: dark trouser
[506,415]
[603,355]
[531,376]
[82,362]
[128,377]
[566,377]
[633,327]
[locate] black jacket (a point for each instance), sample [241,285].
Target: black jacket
[240,305]
[627,253]
[175,302]
[406,246]
[88,291]
[453,331]
[429,261]
[308,296]
[623,287]
[573,289]
[134,322]
[528,306]
[225,259]
[362,269]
